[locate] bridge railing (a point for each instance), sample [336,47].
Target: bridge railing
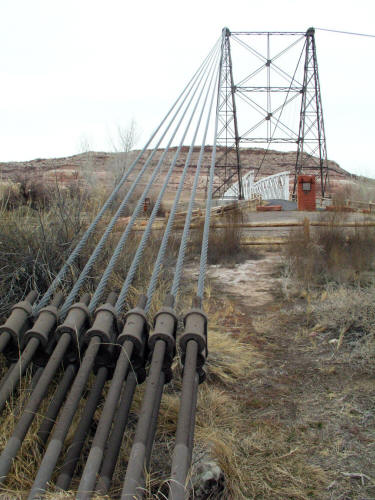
[274,186]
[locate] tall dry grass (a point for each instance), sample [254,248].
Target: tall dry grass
[361,189]
[224,244]
[332,270]
[331,253]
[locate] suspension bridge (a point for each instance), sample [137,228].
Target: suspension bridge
[98,334]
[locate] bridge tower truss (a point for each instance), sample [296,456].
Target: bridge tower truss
[228,162]
[311,135]
[276,100]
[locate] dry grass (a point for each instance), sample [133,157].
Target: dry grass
[259,417]
[361,189]
[327,281]
[331,254]
[34,243]
[224,244]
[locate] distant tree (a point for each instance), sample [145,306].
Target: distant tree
[125,141]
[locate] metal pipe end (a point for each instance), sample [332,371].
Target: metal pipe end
[142,301]
[57,299]
[169,300]
[111,299]
[197,302]
[31,296]
[85,298]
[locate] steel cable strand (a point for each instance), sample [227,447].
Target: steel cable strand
[186,231]
[109,229]
[163,246]
[101,286]
[206,229]
[94,460]
[89,231]
[138,255]
[185,426]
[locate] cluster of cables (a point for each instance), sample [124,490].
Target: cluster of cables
[66,339]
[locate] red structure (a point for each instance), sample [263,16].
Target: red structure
[306,192]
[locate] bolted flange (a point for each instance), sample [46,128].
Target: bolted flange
[165,328]
[46,322]
[135,329]
[195,323]
[78,317]
[20,318]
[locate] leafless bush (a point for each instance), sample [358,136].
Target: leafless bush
[224,244]
[360,190]
[35,240]
[331,254]
[347,315]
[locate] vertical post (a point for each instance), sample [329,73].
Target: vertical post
[235,124]
[227,134]
[306,229]
[311,127]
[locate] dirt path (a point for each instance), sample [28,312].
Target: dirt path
[317,410]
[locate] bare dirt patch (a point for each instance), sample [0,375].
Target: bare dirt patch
[305,426]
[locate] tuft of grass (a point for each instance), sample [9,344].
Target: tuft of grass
[331,254]
[224,244]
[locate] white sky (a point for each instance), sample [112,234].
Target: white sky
[72,71]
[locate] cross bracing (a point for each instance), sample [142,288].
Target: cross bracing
[274,99]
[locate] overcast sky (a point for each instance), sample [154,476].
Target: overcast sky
[72,71]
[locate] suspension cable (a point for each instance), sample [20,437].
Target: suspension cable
[89,231]
[69,300]
[206,229]
[159,259]
[186,231]
[102,284]
[132,270]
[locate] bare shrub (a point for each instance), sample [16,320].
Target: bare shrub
[359,190]
[35,241]
[10,194]
[347,316]
[331,254]
[224,244]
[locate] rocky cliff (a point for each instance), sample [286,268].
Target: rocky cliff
[92,168]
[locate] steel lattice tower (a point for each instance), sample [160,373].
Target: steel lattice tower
[311,136]
[228,170]
[258,110]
